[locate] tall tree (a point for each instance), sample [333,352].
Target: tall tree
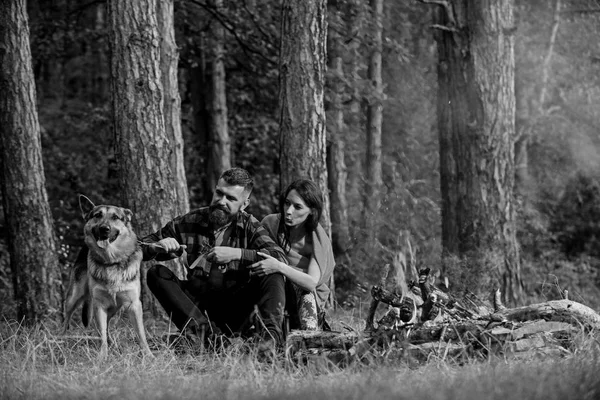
[99,74]
[336,165]
[31,238]
[192,23]
[147,176]
[301,86]
[476,122]
[219,152]
[303,151]
[374,175]
[355,21]
[199,94]
[169,58]
[48,56]
[530,110]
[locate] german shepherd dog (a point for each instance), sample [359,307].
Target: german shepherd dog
[106,275]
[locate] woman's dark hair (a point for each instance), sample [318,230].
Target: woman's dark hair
[312,196]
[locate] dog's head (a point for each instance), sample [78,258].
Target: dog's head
[105,224]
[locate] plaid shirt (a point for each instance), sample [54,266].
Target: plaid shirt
[194,231]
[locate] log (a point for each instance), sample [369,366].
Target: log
[412,307]
[532,328]
[437,349]
[382,295]
[428,321]
[301,340]
[462,331]
[407,305]
[542,329]
[564,310]
[369,325]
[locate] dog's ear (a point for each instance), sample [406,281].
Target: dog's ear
[85,205]
[128,214]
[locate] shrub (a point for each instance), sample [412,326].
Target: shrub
[576,219]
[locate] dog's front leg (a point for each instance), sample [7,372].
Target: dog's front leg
[77,293]
[136,317]
[73,301]
[102,324]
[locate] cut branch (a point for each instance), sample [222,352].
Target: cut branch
[444,28]
[556,310]
[451,327]
[548,58]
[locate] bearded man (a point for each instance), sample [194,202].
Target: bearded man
[221,241]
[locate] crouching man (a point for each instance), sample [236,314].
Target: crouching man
[221,241]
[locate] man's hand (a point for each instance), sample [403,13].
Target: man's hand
[167,245]
[224,255]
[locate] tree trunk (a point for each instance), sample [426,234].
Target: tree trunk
[169,59]
[336,165]
[526,121]
[219,155]
[100,51]
[476,117]
[144,151]
[49,69]
[355,21]
[374,179]
[31,238]
[199,87]
[301,85]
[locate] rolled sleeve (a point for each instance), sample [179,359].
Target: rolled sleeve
[165,232]
[261,241]
[249,256]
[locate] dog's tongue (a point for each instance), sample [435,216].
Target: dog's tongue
[103,243]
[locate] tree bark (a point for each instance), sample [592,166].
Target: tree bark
[374,175]
[169,58]
[144,152]
[476,117]
[556,310]
[31,237]
[219,153]
[301,85]
[336,165]
[354,17]
[100,50]
[200,95]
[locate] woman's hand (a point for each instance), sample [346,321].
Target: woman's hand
[268,266]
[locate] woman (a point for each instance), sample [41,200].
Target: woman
[297,230]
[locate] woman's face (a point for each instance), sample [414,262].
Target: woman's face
[295,210]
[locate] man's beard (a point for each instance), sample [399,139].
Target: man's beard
[219,216]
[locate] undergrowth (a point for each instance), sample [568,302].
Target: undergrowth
[40,363]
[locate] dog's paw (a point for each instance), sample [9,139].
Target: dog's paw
[147,353]
[103,354]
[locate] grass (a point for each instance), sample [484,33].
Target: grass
[39,363]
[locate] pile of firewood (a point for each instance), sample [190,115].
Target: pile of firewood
[429,322]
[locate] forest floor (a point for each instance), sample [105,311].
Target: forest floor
[40,363]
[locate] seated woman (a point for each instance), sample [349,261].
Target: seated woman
[297,230]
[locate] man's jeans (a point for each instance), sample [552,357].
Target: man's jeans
[229,309]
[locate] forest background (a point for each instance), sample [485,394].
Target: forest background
[557,92]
